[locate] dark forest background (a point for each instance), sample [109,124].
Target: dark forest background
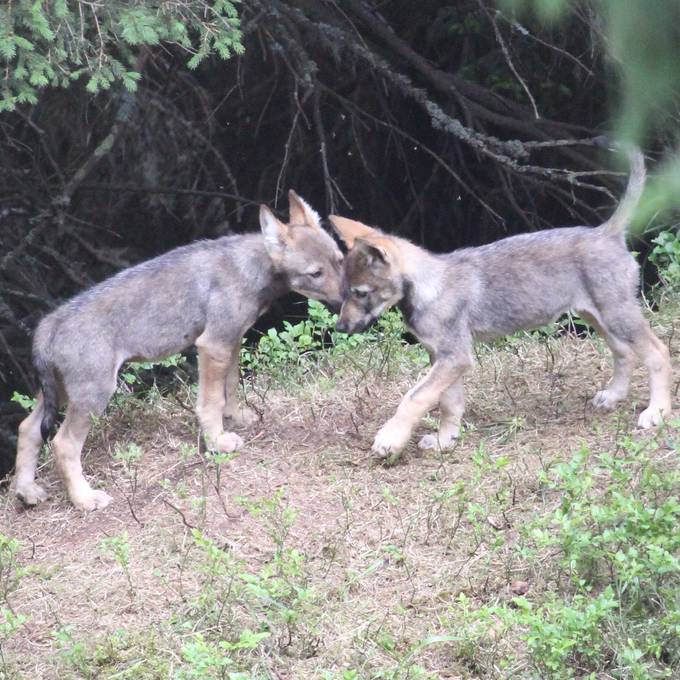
[450,123]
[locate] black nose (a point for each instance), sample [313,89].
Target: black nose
[341,326]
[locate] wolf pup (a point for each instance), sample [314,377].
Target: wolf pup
[481,293]
[207,293]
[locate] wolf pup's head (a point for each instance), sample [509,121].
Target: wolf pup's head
[304,252]
[372,274]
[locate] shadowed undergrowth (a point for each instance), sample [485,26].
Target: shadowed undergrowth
[544,545]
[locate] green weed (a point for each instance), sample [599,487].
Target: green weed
[612,548]
[11,574]
[73,652]
[665,256]
[133,373]
[285,354]
[23,400]
[118,547]
[240,609]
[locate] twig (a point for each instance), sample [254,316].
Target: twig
[187,524]
[426,149]
[286,153]
[525,32]
[508,58]
[162,106]
[329,182]
[123,115]
[167,190]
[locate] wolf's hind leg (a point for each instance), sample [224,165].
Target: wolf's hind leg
[213,368]
[629,335]
[240,415]
[451,407]
[655,356]
[67,446]
[28,450]
[624,362]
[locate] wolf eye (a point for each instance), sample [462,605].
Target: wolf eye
[360,293]
[315,274]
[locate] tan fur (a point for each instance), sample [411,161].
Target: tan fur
[481,293]
[28,450]
[214,366]
[350,230]
[237,415]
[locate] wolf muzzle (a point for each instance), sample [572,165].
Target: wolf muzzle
[356,327]
[342,326]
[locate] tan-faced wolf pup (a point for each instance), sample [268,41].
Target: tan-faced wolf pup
[207,293]
[480,293]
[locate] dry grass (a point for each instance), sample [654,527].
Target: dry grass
[387,549]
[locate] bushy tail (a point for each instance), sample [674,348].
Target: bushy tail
[48,385]
[617,223]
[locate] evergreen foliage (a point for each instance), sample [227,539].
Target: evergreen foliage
[56,43]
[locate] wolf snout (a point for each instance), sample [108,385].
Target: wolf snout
[351,327]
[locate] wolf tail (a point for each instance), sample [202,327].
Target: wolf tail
[618,222]
[47,379]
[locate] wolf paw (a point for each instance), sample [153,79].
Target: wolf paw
[92,500]
[391,438]
[243,417]
[30,493]
[226,442]
[438,440]
[605,399]
[651,417]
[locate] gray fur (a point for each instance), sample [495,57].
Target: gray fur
[207,293]
[155,309]
[482,293]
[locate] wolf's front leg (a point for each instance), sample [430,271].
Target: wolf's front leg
[213,368]
[451,407]
[395,433]
[236,414]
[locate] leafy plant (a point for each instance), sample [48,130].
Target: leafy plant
[73,652]
[11,572]
[9,625]
[665,256]
[204,659]
[129,455]
[119,548]
[57,43]
[615,548]
[23,400]
[245,608]
[283,353]
[132,374]
[219,571]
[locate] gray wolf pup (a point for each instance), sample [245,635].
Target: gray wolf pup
[481,293]
[208,293]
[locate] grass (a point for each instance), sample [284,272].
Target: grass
[544,545]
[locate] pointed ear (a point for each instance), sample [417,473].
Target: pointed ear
[375,253]
[350,230]
[275,233]
[301,213]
